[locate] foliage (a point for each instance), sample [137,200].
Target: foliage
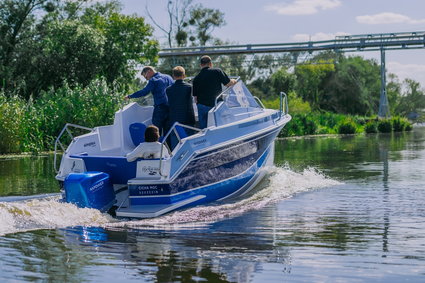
[311,79]
[204,20]
[12,111]
[330,123]
[300,125]
[34,125]
[385,126]
[400,124]
[295,104]
[189,23]
[347,126]
[371,127]
[411,100]
[49,42]
[353,88]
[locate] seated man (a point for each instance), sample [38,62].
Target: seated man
[149,149]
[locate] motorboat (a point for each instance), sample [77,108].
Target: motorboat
[224,160]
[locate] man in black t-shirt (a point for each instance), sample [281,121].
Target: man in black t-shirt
[207,85]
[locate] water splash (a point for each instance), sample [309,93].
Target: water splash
[280,183]
[49,213]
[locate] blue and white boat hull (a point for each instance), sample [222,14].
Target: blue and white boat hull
[225,160]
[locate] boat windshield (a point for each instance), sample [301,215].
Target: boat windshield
[239,96]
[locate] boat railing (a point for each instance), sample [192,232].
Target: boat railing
[224,92]
[259,102]
[283,98]
[179,137]
[58,140]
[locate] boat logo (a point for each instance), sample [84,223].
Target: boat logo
[150,170]
[96,186]
[92,144]
[200,142]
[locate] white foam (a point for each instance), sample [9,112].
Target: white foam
[46,213]
[49,213]
[280,183]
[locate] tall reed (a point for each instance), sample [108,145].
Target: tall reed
[32,126]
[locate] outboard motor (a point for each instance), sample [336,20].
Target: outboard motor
[89,189]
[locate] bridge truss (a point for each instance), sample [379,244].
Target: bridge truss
[347,43]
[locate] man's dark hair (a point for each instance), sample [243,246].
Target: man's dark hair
[146,69]
[152,134]
[205,60]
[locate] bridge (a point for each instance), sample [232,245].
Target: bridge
[347,43]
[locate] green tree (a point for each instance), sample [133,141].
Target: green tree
[128,44]
[353,88]
[204,21]
[188,22]
[73,41]
[72,52]
[393,88]
[311,80]
[17,18]
[282,80]
[411,100]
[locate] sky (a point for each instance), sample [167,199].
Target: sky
[286,21]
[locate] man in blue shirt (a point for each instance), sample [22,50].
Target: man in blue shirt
[157,85]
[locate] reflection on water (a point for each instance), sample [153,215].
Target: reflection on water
[297,226]
[27,175]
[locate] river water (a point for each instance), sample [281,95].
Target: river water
[333,209]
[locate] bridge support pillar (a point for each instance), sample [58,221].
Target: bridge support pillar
[384,109]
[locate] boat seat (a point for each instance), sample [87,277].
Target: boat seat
[137,133]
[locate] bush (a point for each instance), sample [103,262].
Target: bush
[400,124]
[12,113]
[295,104]
[384,126]
[371,127]
[347,127]
[27,126]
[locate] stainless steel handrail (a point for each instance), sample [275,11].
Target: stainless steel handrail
[173,129]
[283,94]
[58,142]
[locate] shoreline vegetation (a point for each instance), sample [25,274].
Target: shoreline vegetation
[33,125]
[74,61]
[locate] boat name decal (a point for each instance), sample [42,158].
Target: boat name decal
[96,186]
[150,170]
[200,142]
[147,190]
[92,144]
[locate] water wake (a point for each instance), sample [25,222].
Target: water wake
[279,183]
[49,213]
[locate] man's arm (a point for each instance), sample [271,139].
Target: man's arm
[145,91]
[231,82]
